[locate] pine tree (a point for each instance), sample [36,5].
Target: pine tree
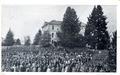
[18,42]
[113,53]
[37,38]
[90,29]
[70,28]
[9,40]
[27,41]
[103,38]
[96,30]
[114,40]
[45,39]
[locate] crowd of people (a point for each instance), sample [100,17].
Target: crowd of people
[49,60]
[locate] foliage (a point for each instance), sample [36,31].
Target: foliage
[18,42]
[9,40]
[113,53]
[114,40]
[37,38]
[90,28]
[96,30]
[27,41]
[70,28]
[45,39]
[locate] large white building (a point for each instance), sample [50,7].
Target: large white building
[54,26]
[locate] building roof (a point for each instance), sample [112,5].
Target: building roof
[53,22]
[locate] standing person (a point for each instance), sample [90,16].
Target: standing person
[44,67]
[17,68]
[34,69]
[66,68]
[52,69]
[74,69]
[82,68]
[13,69]
[58,69]
[39,69]
[3,68]
[70,67]
[27,69]
[63,68]
[48,69]
[22,68]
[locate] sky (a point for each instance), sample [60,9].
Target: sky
[26,20]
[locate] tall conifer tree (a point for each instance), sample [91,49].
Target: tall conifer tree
[96,30]
[113,53]
[103,38]
[90,29]
[70,28]
[37,38]
[9,40]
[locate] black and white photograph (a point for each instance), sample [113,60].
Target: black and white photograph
[59,38]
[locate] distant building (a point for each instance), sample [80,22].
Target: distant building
[54,26]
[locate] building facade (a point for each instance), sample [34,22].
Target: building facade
[54,26]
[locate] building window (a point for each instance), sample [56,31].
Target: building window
[52,41]
[52,34]
[52,27]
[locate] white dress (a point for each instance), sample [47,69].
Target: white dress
[66,68]
[48,69]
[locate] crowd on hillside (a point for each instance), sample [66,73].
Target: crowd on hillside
[49,60]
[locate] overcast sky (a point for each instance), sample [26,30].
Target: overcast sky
[25,20]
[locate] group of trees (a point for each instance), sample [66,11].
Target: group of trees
[40,39]
[96,35]
[9,40]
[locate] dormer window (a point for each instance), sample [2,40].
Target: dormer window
[52,35]
[52,27]
[57,29]
[52,41]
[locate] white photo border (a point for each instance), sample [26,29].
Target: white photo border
[66,2]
